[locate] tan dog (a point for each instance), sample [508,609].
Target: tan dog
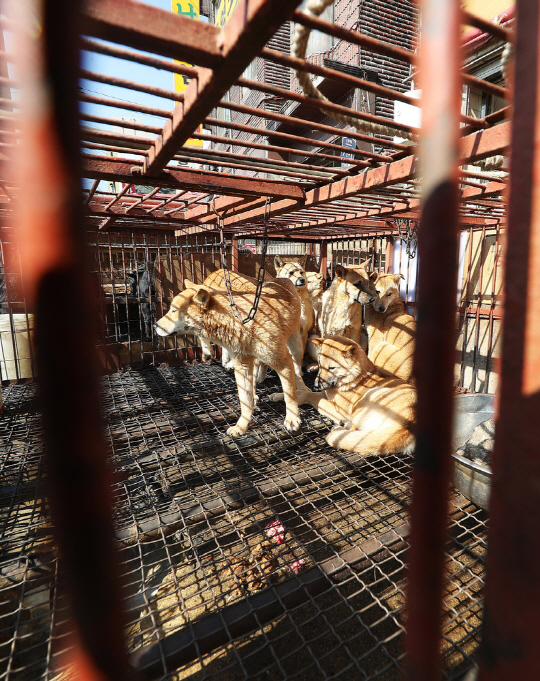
[202,310]
[315,289]
[240,282]
[391,329]
[375,412]
[293,269]
[341,308]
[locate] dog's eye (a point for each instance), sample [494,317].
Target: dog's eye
[377,291]
[291,272]
[389,293]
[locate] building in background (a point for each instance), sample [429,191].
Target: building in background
[394,22]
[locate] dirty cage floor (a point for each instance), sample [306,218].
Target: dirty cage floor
[272,556]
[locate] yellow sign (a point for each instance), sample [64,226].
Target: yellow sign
[224,10]
[191,9]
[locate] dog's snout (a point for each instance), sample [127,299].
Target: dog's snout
[300,281]
[381,308]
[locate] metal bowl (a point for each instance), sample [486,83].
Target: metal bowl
[473,480]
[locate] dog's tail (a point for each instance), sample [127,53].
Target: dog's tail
[372,443]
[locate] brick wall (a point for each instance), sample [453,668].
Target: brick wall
[395,22]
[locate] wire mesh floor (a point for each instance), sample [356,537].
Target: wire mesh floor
[272,556]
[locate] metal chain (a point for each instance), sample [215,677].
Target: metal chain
[408,236]
[260,273]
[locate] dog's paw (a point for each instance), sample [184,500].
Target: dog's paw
[236,431]
[207,359]
[292,423]
[277,397]
[345,424]
[312,367]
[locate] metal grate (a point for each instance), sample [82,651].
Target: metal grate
[270,556]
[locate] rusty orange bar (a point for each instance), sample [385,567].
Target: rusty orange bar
[49,225]
[435,337]
[511,627]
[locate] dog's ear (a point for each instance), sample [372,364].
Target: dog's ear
[189,284]
[373,276]
[397,277]
[366,264]
[351,351]
[303,260]
[203,296]
[341,272]
[278,262]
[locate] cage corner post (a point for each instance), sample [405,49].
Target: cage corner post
[435,336]
[511,627]
[51,239]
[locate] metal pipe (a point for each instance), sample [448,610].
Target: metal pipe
[298,139]
[435,336]
[354,37]
[49,224]
[312,125]
[270,147]
[338,108]
[496,30]
[353,81]
[147,60]
[510,635]
[130,85]
[130,106]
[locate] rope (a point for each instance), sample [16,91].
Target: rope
[260,274]
[300,41]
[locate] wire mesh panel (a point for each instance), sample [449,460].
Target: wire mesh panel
[269,556]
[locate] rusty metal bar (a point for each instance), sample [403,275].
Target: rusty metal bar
[147,60]
[154,30]
[304,65]
[245,33]
[298,139]
[110,147]
[52,246]
[130,85]
[312,125]
[338,108]
[118,196]
[106,168]
[496,30]
[354,37]
[338,76]
[92,118]
[435,335]
[265,165]
[512,597]
[486,86]
[481,144]
[166,201]
[130,106]
[91,192]
[270,147]
[128,141]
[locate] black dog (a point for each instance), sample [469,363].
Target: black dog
[142,285]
